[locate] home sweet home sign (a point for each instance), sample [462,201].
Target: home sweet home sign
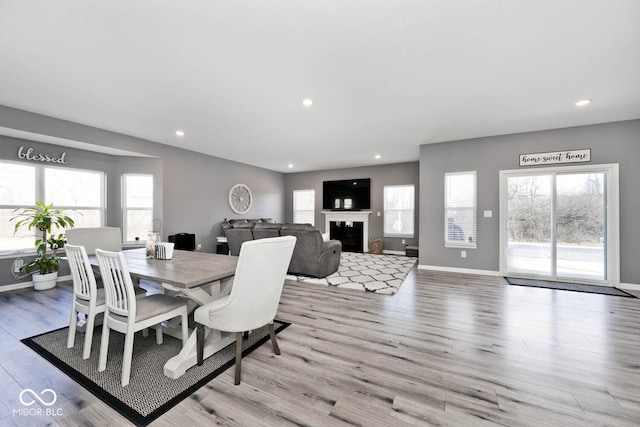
[555,157]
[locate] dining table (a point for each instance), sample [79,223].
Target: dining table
[200,276]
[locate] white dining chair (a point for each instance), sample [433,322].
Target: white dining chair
[254,298]
[87,298]
[126,314]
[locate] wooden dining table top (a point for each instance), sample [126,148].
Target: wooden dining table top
[185,270]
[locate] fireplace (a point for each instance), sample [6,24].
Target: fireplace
[349,233]
[350,227]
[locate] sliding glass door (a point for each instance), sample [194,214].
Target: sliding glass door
[529,217]
[581,226]
[555,223]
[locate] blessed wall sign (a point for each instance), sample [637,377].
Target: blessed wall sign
[30,154]
[556,157]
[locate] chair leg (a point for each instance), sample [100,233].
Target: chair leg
[104,348]
[200,343]
[238,356]
[72,327]
[158,333]
[184,321]
[88,335]
[126,360]
[272,334]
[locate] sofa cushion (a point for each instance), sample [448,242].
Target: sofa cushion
[248,225]
[263,230]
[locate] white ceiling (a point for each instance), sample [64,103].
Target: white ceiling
[385,75]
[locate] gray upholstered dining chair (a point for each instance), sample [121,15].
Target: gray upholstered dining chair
[87,298]
[126,314]
[92,238]
[254,298]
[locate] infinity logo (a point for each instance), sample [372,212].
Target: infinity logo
[37,397]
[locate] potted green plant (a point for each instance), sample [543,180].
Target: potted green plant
[44,218]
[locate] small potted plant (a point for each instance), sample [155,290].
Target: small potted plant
[44,218]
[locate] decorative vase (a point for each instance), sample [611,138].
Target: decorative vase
[43,282]
[152,240]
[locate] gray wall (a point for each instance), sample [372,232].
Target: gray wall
[196,190]
[191,189]
[395,174]
[609,143]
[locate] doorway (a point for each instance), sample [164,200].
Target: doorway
[560,223]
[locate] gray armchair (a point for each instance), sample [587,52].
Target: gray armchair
[312,256]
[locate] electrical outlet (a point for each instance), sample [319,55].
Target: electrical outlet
[404,242]
[17,265]
[463,254]
[199,247]
[378,213]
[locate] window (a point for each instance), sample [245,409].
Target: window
[399,206]
[460,209]
[80,191]
[77,190]
[17,190]
[137,206]
[304,202]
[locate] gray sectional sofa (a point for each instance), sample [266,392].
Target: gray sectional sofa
[312,256]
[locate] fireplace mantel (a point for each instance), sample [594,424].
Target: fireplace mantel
[352,216]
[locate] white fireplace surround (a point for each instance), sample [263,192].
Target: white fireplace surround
[351,216]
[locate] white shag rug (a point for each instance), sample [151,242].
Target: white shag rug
[382,274]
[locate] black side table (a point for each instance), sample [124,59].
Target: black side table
[222,248]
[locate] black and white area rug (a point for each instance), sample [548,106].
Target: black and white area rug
[149,393]
[565,286]
[382,274]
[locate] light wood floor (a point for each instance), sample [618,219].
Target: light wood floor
[454,350]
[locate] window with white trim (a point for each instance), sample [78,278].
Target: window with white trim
[137,206]
[460,213]
[304,202]
[80,192]
[399,211]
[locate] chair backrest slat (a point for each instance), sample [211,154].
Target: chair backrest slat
[84,282]
[120,295]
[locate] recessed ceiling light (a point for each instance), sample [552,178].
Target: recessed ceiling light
[307,102]
[377,156]
[180,133]
[290,165]
[583,102]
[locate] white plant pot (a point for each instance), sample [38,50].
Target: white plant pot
[43,282]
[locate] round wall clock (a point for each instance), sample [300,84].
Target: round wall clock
[240,198]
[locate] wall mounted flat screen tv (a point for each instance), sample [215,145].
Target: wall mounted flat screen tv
[346,195]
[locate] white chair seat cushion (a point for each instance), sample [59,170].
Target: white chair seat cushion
[100,298]
[151,306]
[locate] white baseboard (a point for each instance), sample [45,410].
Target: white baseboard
[630,286]
[388,252]
[459,270]
[23,285]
